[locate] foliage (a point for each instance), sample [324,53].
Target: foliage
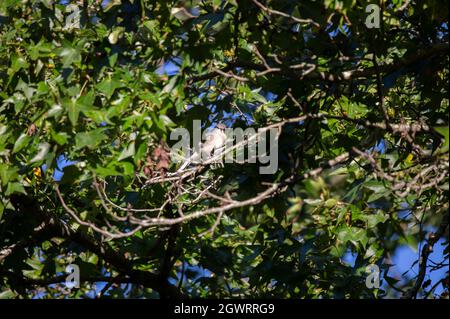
[99,96]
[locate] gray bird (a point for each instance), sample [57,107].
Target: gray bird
[214,145]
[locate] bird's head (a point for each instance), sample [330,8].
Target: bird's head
[221,126]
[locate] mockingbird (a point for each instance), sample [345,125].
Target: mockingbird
[213,146]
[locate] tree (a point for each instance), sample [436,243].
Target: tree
[362,140]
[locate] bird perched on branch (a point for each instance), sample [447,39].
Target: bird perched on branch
[214,145]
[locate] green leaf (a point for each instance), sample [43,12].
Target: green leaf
[69,55]
[86,101]
[10,3]
[7,174]
[21,142]
[7,294]
[110,170]
[127,152]
[329,203]
[164,122]
[75,105]
[379,217]
[15,188]
[73,110]
[55,110]
[108,86]
[444,131]
[352,234]
[113,59]
[114,36]
[17,63]
[28,90]
[60,138]
[127,168]
[89,139]
[375,196]
[43,149]
[376,186]
[41,49]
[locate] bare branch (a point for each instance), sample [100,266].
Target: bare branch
[426,250]
[283,14]
[92,225]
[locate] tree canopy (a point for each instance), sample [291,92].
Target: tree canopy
[91,91]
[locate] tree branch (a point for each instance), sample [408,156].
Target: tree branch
[27,206]
[426,250]
[310,74]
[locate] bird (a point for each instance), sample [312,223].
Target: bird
[214,145]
